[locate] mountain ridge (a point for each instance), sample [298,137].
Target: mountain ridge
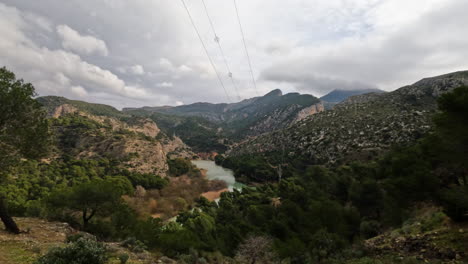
[362,126]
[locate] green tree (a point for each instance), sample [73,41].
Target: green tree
[97,197]
[24,130]
[451,129]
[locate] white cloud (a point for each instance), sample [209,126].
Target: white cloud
[166,64]
[55,71]
[79,91]
[87,45]
[165,84]
[137,69]
[298,45]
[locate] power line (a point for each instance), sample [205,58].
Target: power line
[245,47]
[206,50]
[216,39]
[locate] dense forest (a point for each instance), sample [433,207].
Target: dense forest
[294,212]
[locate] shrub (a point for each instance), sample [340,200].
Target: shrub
[123,258]
[83,251]
[455,202]
[134,245]
[369,229]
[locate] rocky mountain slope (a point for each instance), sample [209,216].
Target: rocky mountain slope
[362,126]
[87,130]
[236,121]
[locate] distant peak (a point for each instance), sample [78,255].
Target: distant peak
[276,92]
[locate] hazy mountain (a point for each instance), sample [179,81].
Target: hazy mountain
[221,122]
[338,95]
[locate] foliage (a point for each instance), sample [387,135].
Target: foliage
[34,181]
[98,197]
[83,251]
[256,250]
[179,166]
[24,131]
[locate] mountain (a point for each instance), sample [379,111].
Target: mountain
[211,127]
[361,127]
[337,95]
[86,130]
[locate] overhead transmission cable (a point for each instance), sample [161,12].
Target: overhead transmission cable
[206,50]
[217,40]
[245,47]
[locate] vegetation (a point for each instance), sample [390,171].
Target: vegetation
[51,102]
[301,212]
[97,197]
[82,251]
[199,133]
[24,131]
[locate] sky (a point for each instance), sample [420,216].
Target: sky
[146,52]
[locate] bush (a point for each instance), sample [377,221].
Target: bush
[123,258]
[369,229]
[455,202]
[83,251]
[179,166]
[134,245]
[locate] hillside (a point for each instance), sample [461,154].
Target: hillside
[362,126]
[85,130]
[218,124]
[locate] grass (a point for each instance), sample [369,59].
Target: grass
[17,252]
[41,236]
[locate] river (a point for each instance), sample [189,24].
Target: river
[215,172]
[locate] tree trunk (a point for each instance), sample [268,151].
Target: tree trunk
[7,220]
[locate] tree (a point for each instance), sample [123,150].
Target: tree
[451,127]
[24,130]
[92,198]
[257,249]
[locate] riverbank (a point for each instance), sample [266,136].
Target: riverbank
[214,195]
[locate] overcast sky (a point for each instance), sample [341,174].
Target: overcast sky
[146,52]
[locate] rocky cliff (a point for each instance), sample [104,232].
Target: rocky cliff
[137,142]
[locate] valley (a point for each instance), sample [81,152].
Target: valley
[368,177]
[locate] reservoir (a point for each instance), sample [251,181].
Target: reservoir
[215,172]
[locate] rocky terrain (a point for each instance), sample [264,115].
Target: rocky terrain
[87,131]
[428,236]
[361,126]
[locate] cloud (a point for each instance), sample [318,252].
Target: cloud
[298,45]
[79,91]
[308,82]
[424,44]
[87,45]
[55,71]
[137,69]
[165,84]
